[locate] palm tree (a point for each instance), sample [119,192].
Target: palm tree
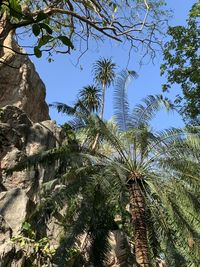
[153,175]
[90,96]
[144,172]
[104,75]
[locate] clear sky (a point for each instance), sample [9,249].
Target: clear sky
[63,80]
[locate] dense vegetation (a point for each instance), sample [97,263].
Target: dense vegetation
[144,184]
[182,65]
[116,176]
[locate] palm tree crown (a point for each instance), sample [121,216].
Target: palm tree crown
[104,71]
[90,96]
[104,75]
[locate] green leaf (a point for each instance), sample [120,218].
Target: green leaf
[44,40]
[66,41]
[41,16]
[46,27]
[26,226]
[37,52]
[104,23]
[15,9]
[195,11]
[36,29]
[115,7]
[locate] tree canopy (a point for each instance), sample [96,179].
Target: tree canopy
[66,25]
[182,65]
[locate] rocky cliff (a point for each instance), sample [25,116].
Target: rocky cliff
[22,87]
[19,192]
[20,84]
[25,129]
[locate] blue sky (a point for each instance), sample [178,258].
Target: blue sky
[63,80]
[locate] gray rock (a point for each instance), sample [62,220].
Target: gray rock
[20,138]
[22,87]
[14,205]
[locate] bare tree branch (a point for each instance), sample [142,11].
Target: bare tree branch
[138,23]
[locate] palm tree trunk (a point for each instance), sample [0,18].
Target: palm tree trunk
[137,209]
[102,100]
[101,114]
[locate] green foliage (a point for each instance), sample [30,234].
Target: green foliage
[66,41]
[36,29]
[37,52]
[41,16]
[91,97]
[85,214]
[72,24]
[182,65]
[104,71]
[36,252]
[168,160]
[93,185]
[139,151]
[15,9]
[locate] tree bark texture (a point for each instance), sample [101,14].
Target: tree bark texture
[137,209]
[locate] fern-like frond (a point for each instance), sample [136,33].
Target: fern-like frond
[121,106]
[142,114]
[46,158]
[63,108]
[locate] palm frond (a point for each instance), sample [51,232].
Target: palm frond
[153,237]
[90,218]
[184,231]
[63,108]
[172,226]
[121,106]
[68,241]
[104,71]
[90,96]
[142,114]
[173,257]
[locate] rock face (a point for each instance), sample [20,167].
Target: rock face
[20,84]
[25,129]
[19,138]
[22,87]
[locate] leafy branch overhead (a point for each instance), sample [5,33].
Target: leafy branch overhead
[73,23]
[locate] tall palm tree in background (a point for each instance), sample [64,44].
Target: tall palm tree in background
[104,76]
[90,96]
